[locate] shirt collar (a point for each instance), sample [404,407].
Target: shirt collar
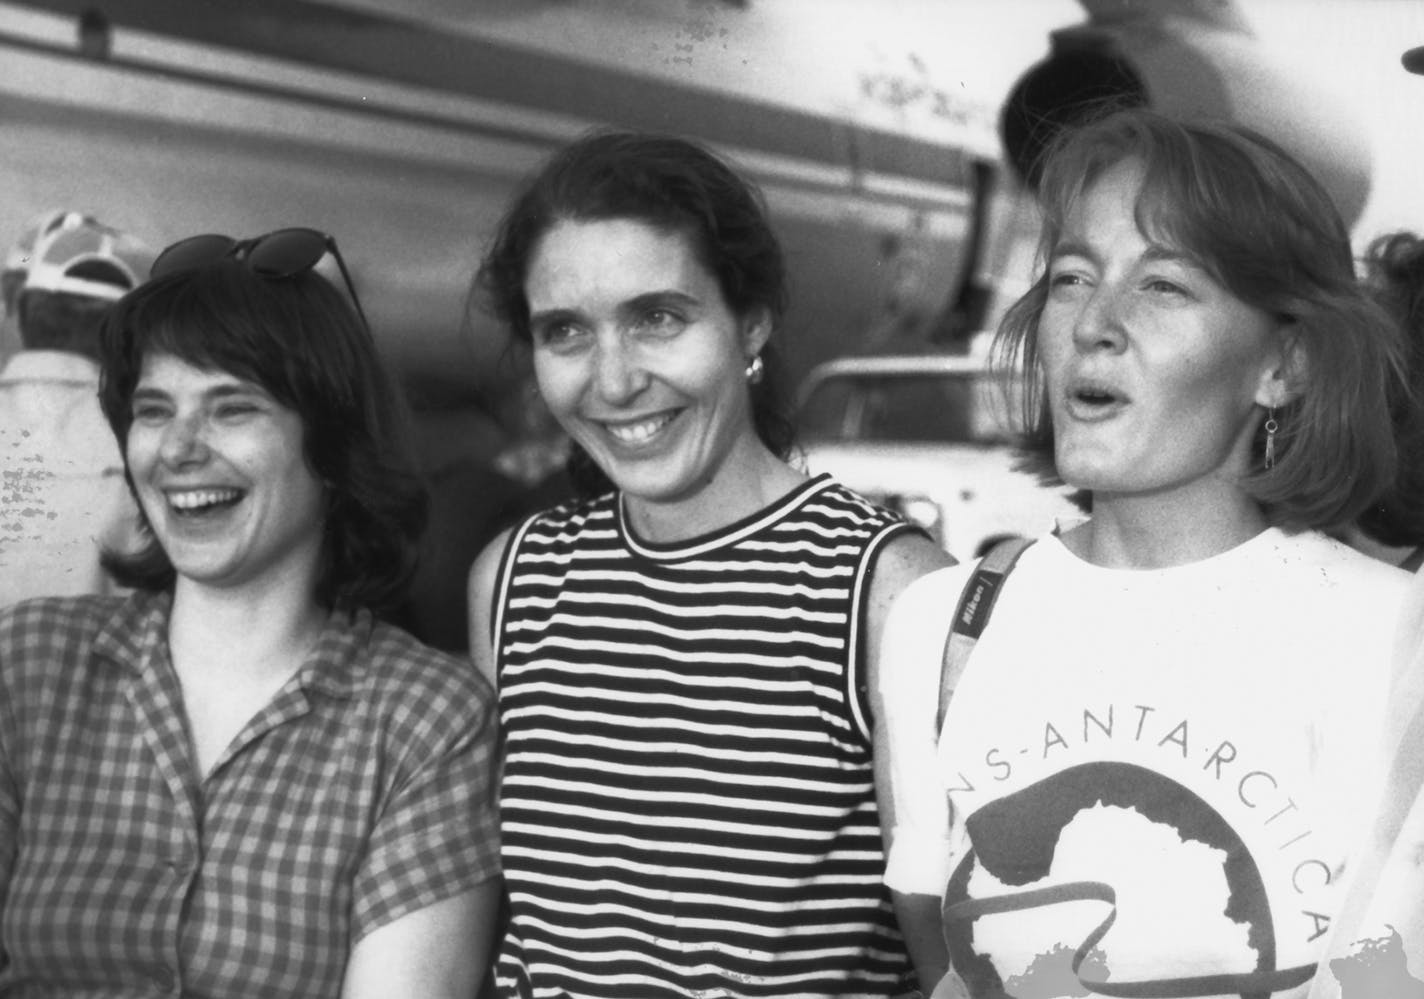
[140,624]
[333,664]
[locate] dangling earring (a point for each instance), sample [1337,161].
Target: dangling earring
[755,370]
[1271,427]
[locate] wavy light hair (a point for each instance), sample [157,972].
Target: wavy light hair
[1256,220]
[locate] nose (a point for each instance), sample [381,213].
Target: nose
[1099,323]
[619,375]
[184,440]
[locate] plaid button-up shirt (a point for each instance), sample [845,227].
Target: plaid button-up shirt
[361,793]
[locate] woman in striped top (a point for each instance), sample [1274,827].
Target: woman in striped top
[683,655]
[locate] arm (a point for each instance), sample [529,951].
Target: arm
[424,897]
[480,591]
[438,952]
[9,803]
[905,560]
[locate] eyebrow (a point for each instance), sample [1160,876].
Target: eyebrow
[226,390]
[654,299]
[142,393]
[638,303]
[1156,253]
[551,315]
[1072,248]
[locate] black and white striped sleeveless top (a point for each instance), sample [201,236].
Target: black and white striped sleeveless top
[687,804]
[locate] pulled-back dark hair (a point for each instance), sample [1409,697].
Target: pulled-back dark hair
[1256,220]
[673,185]
[299,340]
[1394,272]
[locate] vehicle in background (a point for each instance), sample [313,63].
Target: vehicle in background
[931,436]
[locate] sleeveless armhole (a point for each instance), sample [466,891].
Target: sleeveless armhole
[856,691]
[499,596]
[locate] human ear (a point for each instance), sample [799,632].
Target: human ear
[1284,373]
[756,330]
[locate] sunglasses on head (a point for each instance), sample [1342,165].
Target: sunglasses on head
[282,253]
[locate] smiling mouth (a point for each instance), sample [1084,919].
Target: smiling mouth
[639,431]
[195,502]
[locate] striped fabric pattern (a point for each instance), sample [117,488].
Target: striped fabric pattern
[687,805]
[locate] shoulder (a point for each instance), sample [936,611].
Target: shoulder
[927,603]
[913,637]
[1333,567]
[485,568]
[827,494]
[556,529]
[859,527]
[49,645]
[571,516]
[44,626]
[1412,621]
[413,685]
[905,558]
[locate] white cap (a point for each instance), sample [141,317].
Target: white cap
[22,251]
[89,259]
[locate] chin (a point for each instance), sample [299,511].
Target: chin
[656,486]
[1099,481]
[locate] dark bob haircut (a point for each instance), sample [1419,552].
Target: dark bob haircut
[675,186]
[299,340]
[1255,220]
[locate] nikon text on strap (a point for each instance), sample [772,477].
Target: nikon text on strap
[972,614]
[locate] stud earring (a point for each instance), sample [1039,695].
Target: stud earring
[1271,427]
[755,370]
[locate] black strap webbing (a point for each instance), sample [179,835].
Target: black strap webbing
[975,603]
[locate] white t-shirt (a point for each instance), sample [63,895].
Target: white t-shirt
[1192,749]
[1378,941]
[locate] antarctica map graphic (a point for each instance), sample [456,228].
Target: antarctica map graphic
[1133,854]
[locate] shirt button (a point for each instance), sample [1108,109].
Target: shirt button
[165,978]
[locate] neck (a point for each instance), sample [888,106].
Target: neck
[1160,531]
[741,486]
[244,634]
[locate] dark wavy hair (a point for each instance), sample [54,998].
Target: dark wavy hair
[300,340]
[1394,273]
[673,185]
[1256,220]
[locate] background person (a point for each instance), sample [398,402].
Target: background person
[1377,945]
[16,268]
[62,494]
[22,252]
[236,782]
[687,803]
[1392,528]
[1154,765]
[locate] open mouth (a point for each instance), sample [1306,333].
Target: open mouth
[1095,397]
[640,431]
[1093,400]
[197,502]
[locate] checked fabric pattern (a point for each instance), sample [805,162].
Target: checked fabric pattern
[361,793]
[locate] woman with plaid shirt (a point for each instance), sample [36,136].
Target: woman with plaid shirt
[236,781]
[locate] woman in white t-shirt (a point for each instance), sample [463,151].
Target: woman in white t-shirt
[1153,769]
